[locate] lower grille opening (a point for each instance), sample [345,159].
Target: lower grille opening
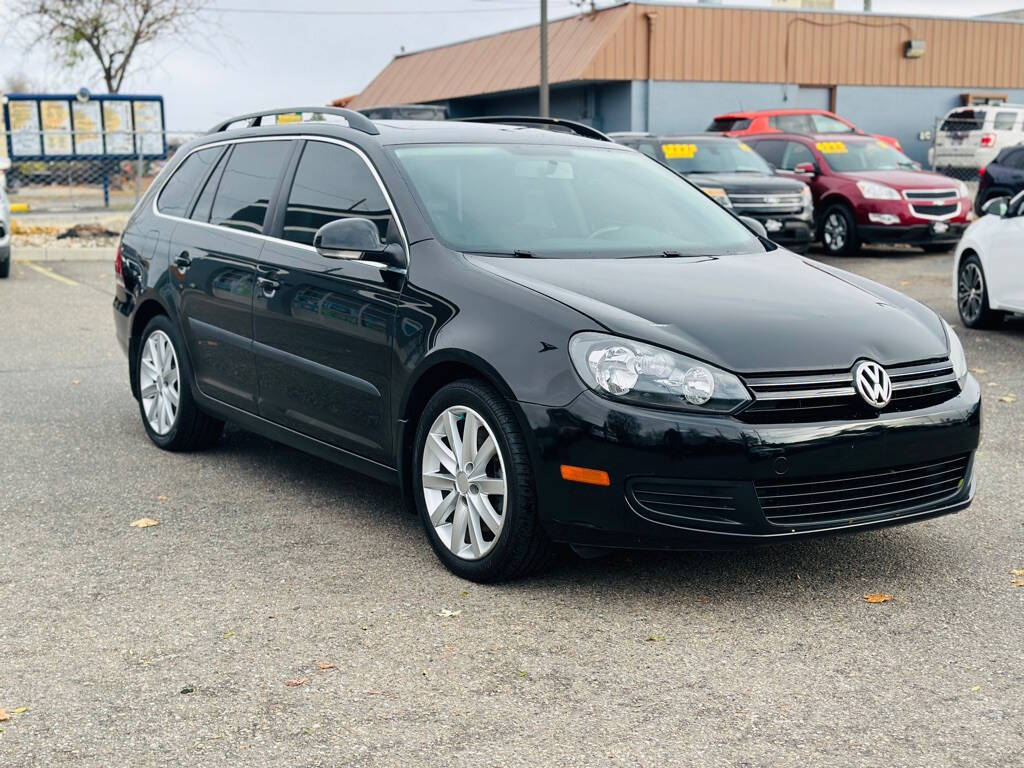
[684,501]
[844,498]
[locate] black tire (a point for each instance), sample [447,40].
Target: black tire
[522,546]
[5,263]
[845,242]
[974,313]
[191,429]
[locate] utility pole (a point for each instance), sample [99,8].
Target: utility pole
[544,108]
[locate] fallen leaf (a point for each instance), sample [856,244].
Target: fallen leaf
[161,497]
[144,522]
[1008,399]
[296,682]
[655,639]
[979,371]
[229,634]
[19,710]
[188,689]
[325,666]
[1017,572]
[1018,582]
[444,613]
[975,689]
[877,597]
[3,715]
[76,382]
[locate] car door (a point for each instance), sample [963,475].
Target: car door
[324,327]
[1004,264]
[213,261]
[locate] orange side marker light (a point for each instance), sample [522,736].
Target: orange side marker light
[584,475]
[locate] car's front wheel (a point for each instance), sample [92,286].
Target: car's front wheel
[169,413]
[839,231]
[5,261]
[972,295]
[474,486]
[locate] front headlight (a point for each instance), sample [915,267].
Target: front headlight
[874,191]
[718,195]
[956,355]
[639,373]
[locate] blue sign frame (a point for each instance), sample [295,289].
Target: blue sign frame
[101,128]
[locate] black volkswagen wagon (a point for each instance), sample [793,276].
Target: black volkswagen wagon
[540,335]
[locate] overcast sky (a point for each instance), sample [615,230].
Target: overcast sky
[250,54]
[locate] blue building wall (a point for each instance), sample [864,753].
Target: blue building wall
[677,107]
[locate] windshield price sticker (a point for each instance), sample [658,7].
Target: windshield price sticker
[679,151]
[832,147]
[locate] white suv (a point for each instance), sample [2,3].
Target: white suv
[971,137]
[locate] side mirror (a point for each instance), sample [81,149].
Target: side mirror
[755,226]
[356,238]
[997,206]
[805,169]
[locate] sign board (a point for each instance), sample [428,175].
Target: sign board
[61,127]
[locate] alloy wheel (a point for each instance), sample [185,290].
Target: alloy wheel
[464,482]
[159,382]
[835,231]
[971,292]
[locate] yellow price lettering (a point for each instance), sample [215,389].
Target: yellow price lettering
[831,147]
[683,151]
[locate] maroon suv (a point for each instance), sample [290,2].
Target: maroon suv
[866,191]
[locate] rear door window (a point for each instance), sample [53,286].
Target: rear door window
[178,191]
[247,184]
[826,124]
[771,150]
[1004,121]
[332,183]
[793,123]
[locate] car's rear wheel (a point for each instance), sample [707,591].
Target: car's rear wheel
[169,413]
[474,485]
[839,231]
[5,261]
[972,295]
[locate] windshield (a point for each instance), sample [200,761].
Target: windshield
[564,202]
[712,157]
[853,156]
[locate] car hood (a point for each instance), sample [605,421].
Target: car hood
[906,179]
[747,182]
[756,313]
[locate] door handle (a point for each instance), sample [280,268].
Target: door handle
[183,260]
[268,287]
[266,269]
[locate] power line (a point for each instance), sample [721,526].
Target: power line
[310,12]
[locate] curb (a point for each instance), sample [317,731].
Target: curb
[62,254]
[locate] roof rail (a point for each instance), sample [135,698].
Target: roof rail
[354,119]
[578,128]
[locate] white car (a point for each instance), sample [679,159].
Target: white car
[5,232]
[969,138]
[988,276]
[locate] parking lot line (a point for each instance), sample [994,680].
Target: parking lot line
[49,273]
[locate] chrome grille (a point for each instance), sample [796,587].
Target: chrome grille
[847,498]
[930,194]
[794,398]
[767,201]
[944,211]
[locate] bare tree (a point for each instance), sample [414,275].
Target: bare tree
[108,32]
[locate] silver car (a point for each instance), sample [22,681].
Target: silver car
[5,233]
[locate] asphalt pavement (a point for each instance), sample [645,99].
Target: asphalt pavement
[286,612]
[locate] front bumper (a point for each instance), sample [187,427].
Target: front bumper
[638,444]
[918,234]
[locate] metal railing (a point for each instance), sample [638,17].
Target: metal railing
[50,182]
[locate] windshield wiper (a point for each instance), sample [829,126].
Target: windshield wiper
[519,254]
[662,255]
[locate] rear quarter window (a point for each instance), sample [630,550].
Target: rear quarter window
[1004,121]
[178,191]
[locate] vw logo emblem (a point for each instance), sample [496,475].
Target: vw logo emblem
[872,383]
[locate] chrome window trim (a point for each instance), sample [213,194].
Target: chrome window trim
[295,137]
